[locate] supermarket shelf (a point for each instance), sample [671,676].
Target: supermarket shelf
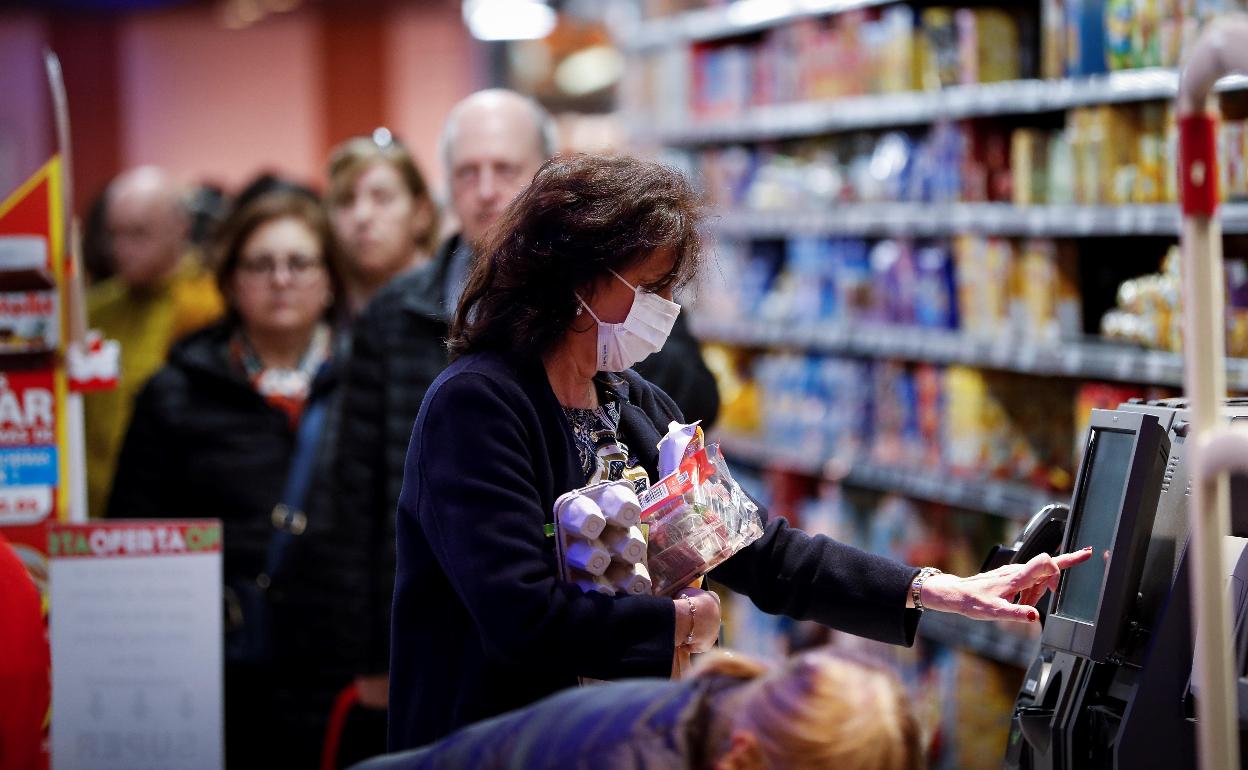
[924,219]
[1015,97]
[990,640]
[1083,360]
[1015,501]
[1008,499]
[740,18]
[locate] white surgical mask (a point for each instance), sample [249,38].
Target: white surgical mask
[643,331]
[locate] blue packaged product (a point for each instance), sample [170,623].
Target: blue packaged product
[806,267]
[935,291]
[893,281]
[908,396]
[1085,38]
[890,164]
[830,307]
[852,277]
[895,525]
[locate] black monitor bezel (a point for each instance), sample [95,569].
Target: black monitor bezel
[1137,508]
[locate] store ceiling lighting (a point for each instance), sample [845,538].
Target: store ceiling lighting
[589,70]
[508,19]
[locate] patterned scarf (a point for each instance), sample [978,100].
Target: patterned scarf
[284,389]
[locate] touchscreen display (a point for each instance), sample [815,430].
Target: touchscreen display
[1095,522]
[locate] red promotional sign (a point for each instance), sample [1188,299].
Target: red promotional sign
[111,539]
[33,461]
[27,409]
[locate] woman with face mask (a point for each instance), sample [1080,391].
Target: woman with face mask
[575,285]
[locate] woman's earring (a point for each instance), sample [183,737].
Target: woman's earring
[580,310]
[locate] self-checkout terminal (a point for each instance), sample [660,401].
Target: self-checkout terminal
[1111,686]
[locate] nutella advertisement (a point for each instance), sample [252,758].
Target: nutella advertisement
[29,316]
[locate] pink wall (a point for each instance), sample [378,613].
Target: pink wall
[210,103]
[26,133]
[177,89]
[433,63]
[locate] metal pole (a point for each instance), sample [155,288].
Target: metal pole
[1222,48]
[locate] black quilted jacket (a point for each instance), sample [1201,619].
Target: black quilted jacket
[203,444]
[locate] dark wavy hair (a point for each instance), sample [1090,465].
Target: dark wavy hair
[580,218]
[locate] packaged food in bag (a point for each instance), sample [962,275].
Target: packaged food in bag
[697,517]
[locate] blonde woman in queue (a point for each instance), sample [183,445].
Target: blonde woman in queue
[384,219]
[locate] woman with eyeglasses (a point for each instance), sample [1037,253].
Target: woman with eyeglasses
[239,411]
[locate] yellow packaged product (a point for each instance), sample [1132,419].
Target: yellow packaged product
[1050,284]
[1029,165]
[1117,129]
[988,48]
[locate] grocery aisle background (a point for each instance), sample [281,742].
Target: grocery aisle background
[945,234]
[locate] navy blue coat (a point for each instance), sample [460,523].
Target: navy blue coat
[482,624]
[643,724]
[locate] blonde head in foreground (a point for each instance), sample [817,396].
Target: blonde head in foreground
[821,709]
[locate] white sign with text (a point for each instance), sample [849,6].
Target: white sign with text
[135,625]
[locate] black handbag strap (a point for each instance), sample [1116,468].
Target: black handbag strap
[289,519]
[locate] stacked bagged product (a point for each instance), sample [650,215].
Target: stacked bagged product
[1149,309]
[696,516]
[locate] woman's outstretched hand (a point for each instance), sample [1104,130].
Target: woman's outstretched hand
[1009,592]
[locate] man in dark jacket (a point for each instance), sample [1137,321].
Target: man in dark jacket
[492,144]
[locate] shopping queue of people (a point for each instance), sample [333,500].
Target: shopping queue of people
[411,572]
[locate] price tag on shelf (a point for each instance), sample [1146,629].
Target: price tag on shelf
[1154,367]
[857,219]
[1126,365]
[1072,359]
[1001,352]
[956,491]
[993,497]
[966,350]
[1125,219]
[948,345]
[1037,221]
[1085,220]
[1236,374]
[991,218]
[1025,357]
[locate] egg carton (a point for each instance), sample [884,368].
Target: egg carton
[600,546]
